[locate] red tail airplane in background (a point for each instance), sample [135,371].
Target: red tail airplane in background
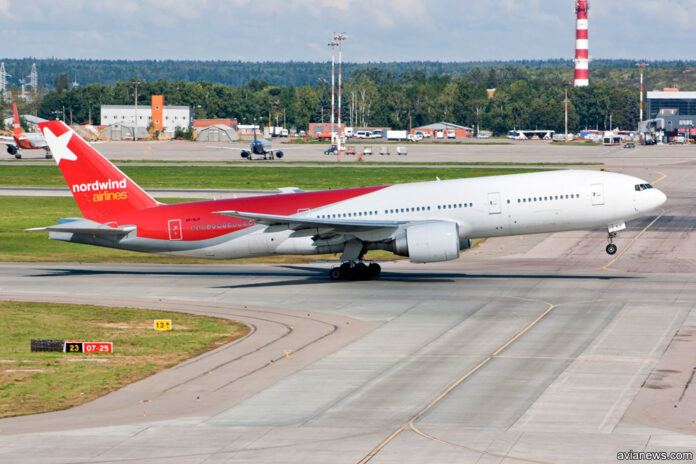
[426,221]
[23,140]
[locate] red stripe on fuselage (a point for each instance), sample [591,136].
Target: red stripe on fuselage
[154,222]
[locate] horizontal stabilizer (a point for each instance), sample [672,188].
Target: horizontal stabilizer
[85,226]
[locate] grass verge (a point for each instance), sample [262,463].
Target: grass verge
[255,177]
[40,382]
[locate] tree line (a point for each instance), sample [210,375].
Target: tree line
[372,97]
[298,73]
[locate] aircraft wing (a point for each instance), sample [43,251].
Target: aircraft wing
[7,140]
[321,226]
[85,226]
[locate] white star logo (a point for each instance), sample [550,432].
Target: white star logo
[59,145]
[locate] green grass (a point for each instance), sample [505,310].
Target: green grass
[41,382]
[254,177]
[348,161]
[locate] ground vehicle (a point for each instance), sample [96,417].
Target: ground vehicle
[440,134]
[396,135]
[414,138]
[424,134]
[376,134]
[483,136]
[451,134]
[629,145]
[362,134]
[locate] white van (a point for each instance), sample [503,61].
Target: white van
[362,134]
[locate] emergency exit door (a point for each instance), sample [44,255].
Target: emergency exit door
[175,229]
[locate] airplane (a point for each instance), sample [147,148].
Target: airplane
[23,140]
[425,221]
[260,147]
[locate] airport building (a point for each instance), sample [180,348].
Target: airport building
[671,117]
[163,118]
[433,129]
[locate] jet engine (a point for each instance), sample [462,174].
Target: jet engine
[11,149]
[245,154]
[430,242]
[279,154]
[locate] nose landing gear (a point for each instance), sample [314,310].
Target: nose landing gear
[611,248]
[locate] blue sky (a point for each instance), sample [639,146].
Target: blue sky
[378,30]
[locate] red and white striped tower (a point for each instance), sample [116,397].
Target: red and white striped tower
[582,54]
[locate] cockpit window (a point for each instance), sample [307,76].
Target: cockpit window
[640,187]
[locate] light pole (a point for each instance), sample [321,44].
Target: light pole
[135,125]
[565,86]
[339,38]
[642,67]
[333,44]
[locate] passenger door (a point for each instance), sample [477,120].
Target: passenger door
[597,194]
[494,203]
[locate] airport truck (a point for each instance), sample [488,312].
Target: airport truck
[396,135]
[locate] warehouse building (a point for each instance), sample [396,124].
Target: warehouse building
[166,118]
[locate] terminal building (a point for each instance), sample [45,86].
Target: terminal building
[671,117]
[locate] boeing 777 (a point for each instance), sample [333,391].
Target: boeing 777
[425,221]
[21,139]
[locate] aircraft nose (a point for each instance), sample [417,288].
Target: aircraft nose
[660,198]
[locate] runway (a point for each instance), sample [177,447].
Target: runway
[526,349]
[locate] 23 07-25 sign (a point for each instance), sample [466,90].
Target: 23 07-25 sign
[88,347]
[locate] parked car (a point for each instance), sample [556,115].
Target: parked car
[629,145]
[451,134]
[362,134]
[440,134]
[376,134]
[423,134]
[483,136]
[414,138]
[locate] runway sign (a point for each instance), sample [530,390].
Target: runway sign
[73,347]
[163,324]
[98,347]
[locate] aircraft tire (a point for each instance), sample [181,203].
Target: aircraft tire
[18,156]
[611,249]
[335,273]
[374,269]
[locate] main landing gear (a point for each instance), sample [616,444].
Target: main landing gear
[355,270]
[611,248]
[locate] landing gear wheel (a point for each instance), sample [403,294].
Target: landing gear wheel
[611,249]
[49,156]
[374,269]
[18,156]
[335,273]
[362,272]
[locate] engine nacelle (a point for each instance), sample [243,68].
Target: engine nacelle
[245,154]
[12,150]
[279,154]
[430,242]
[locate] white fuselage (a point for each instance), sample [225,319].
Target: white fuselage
[482,207]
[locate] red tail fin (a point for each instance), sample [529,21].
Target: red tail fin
[17,128]
[99,187]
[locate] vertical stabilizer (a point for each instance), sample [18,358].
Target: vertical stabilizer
[17,127]
[99,188]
